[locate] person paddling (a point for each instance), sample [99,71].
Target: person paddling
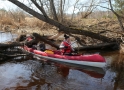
[65,46]
[29,38]
[41,46]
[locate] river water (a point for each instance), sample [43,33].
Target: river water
[31,74]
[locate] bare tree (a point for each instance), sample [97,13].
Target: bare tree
[53,10]
[88,8]
[62,2]
[74,9]
[61,27]
[117,15]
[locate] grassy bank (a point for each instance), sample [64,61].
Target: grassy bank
[19,22]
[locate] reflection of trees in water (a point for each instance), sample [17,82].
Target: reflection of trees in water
[54,77]
[47,77]
[118,67]
[63,70]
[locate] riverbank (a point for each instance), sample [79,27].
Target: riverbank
[106,27]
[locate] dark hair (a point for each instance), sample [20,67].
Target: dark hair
[66,36]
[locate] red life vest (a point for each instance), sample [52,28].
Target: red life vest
[29,39]
[66,50]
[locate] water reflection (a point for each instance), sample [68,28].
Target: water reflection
[118,67]
[64,71]
[6,36]
[33,75]
[30,74]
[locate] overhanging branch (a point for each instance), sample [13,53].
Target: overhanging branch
[59,25]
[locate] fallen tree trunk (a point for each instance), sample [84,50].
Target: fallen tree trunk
[46,40]
[103,46]
[37,38]
[61,26]
[3,45]
[11,56]
[106,46]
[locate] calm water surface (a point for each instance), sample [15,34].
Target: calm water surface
[8,36]
[31,74]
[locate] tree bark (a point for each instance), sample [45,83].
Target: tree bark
[2,45]
[53,11]
[59,25]
[117,15]
[40,38]
[40,8]
[106,46]
[61,10]
[103,46]
[37,38]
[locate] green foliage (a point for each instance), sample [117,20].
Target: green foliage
[119,6]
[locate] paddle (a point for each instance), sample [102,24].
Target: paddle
[73,48]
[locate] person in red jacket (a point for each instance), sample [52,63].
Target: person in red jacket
[65,46]
[29,38]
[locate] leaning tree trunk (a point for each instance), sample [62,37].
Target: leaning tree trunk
[53,11]
[21,42]
[117,15]
[41,38]
[59,25]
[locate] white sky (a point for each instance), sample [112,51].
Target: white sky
[5,4]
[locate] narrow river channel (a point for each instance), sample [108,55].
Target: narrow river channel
[31,74]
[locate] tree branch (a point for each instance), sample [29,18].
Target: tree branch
[118,16]
[53,10]
[59,25]
[40,8]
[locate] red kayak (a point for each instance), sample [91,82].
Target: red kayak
[94,60]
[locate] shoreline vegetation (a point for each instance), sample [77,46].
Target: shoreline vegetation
[21,23]
[29,24]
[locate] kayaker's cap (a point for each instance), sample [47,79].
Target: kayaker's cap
[66,36]
[28,35]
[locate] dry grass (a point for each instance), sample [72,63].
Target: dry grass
[33,22]
[6,20]
[19,21]
[15,23]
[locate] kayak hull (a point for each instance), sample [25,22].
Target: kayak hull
[93,60]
